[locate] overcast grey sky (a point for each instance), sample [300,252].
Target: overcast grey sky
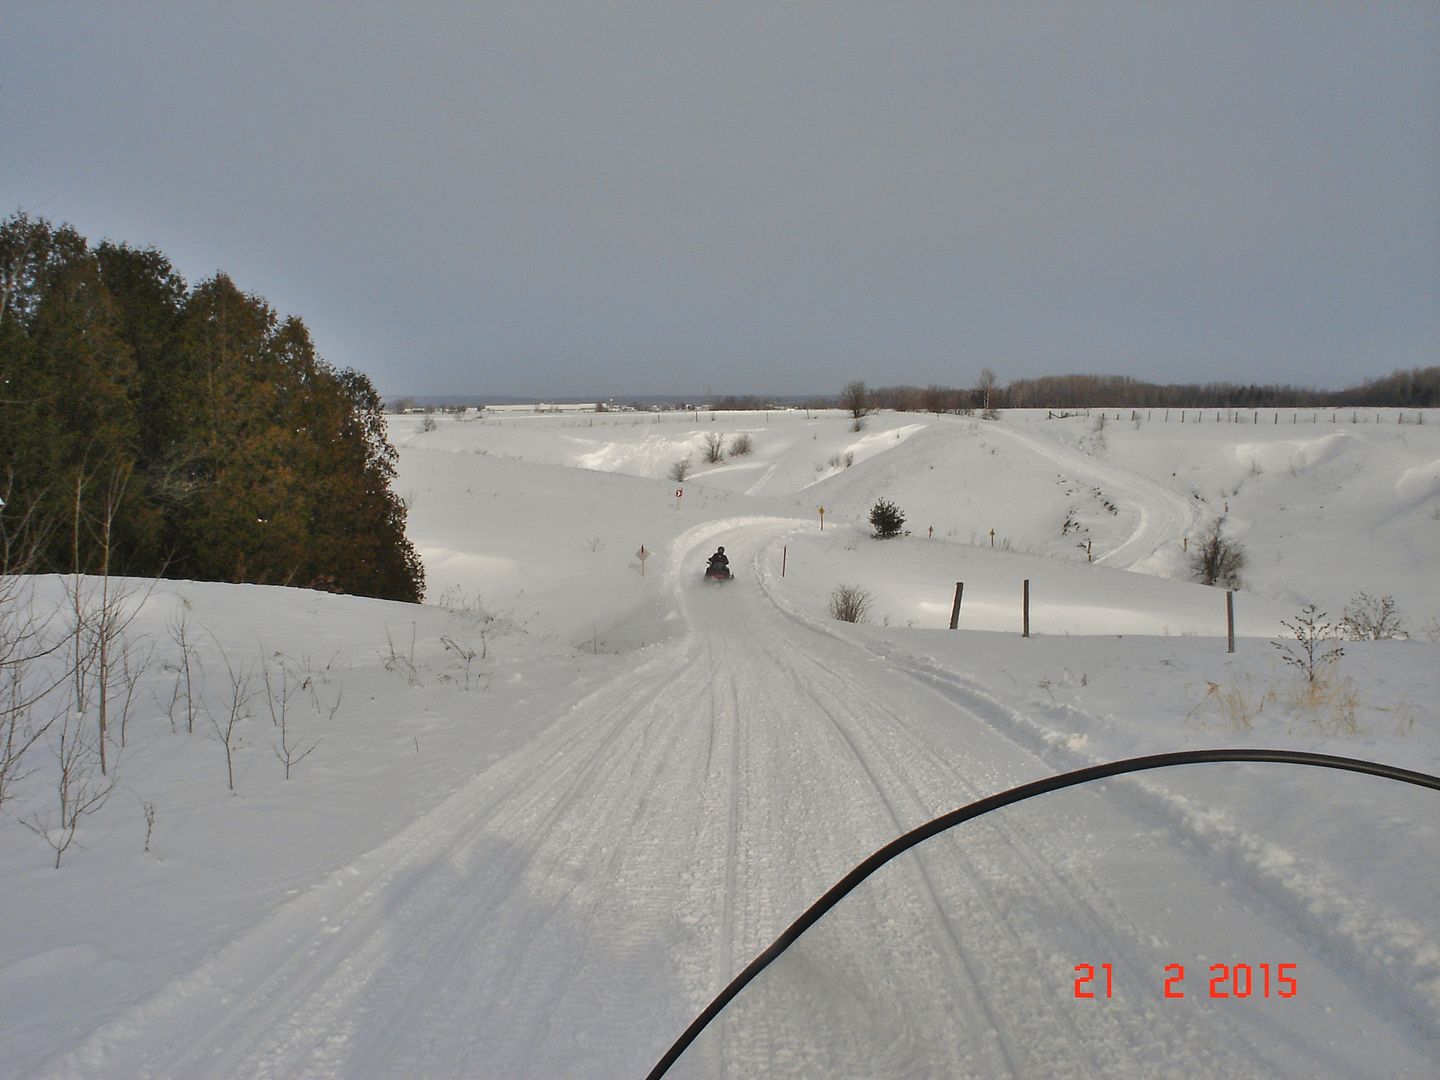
[625,198]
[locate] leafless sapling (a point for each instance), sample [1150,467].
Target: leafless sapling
[188,668]
[234,708]
[78,790]
[1313,647]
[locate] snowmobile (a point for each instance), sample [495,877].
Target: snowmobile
[719,568]
[718,572]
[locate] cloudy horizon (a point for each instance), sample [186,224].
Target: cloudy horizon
[537,199]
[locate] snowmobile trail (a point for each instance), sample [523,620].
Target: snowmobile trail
[647,843]
[1161,516]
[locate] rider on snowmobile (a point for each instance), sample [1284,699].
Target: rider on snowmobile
[719,563]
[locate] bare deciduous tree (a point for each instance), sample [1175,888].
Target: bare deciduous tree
[1218,561]
[985,389]
[22,643]
[103,658]
[278,694]
[855,399]
[79,791]
[187,668]
[236,708]
[1370,619]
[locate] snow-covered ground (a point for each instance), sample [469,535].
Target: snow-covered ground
[549,814]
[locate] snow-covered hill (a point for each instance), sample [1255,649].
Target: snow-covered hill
[549,814]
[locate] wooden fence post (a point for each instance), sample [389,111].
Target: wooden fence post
[1230,620]
[1026,606]
[784,558]
[955,610]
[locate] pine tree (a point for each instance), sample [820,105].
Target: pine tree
[245,457]
[886,519]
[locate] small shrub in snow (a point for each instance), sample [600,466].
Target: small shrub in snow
[714,448]
[1218,560]
[1239,704]
[1313,648]
[849,603]
[428,424]
[740,446]
[1333,705]
[886,519]
[680,470]
[1369,619]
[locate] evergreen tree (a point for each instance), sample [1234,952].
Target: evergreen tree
[241,454]
[70,423]
[886,519]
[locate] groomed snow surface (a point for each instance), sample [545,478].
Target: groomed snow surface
[548,815]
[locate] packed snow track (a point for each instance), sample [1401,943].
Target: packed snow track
[614,874]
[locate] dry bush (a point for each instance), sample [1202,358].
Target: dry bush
[1331,704]
[1239,704]
[740,445]
[680,470]
[1367,618]
[1218,560]
[713,448]
[849,603]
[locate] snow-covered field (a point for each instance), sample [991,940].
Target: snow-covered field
[548,815]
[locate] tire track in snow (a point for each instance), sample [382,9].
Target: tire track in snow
[588,887]
[887,771]
[1163,516]
[908,771]
[1292,909]
[297,986]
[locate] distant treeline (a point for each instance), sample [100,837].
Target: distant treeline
[1417,389]
[148,427]
[752,403]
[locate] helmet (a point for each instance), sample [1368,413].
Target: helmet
[720,550]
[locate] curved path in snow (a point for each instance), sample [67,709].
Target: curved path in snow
[569,910]
[1162,515]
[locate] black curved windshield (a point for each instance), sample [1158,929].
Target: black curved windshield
[1118,925]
